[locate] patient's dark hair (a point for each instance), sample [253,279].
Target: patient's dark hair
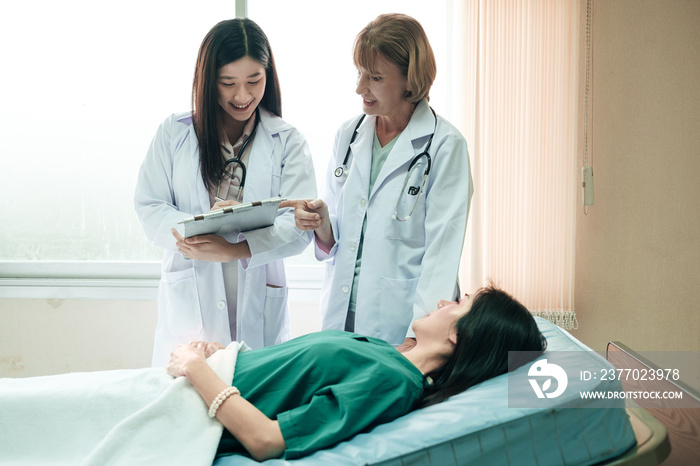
[496,324]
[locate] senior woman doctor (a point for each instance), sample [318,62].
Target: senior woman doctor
[392,217]
[216,288]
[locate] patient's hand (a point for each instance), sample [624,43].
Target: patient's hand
[209,347]
[184,355]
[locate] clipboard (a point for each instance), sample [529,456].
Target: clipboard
[233,219]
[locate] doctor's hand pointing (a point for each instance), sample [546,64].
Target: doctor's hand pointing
[312,214]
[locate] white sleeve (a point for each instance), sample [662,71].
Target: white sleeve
[154,197]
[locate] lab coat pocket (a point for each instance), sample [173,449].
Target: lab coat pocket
[276,321]
[410,207]
[396,310]
[411,230]
[179,301]
[276,185]
[276,178]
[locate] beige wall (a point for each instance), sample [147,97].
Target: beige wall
[52,336]
[55,336]
[638,249]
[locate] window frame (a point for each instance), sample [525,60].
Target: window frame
[117,280]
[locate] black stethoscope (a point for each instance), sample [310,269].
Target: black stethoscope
[229,170]
[341,173]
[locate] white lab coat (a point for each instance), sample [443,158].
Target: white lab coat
[191,297]
[406,266]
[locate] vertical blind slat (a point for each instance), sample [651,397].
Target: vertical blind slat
[524,81]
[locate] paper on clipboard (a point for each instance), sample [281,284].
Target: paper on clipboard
[233,219]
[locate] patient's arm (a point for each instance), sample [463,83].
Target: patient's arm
[260,435]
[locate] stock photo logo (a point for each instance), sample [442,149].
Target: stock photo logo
[542,370]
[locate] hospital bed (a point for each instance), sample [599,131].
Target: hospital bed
[478,427]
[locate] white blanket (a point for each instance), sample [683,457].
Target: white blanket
[122,417]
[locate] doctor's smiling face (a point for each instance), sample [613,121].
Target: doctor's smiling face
[383,89]
[241,87]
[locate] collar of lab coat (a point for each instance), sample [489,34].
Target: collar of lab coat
[272,123]
[361,151]
[262,156]
[411,142]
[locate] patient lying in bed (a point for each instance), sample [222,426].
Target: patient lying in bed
[295,398]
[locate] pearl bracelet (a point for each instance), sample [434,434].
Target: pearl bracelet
[220,398]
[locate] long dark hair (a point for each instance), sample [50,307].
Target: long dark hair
[225,43]
[495,324]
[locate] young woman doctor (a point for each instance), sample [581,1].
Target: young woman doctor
[232,147]
[392,217]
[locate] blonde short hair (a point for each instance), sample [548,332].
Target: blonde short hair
[401,40]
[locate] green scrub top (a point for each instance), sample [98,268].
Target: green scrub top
[325,387]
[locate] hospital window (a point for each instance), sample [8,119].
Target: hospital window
[86,86]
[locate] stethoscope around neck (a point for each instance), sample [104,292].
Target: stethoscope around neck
[341,173]
[229,165]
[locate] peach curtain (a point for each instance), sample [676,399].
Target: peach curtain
[515,66]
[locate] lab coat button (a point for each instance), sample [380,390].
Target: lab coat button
[363,203]
[345,289]
[353,246]
[221,304]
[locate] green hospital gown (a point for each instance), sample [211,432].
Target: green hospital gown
[325,387]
